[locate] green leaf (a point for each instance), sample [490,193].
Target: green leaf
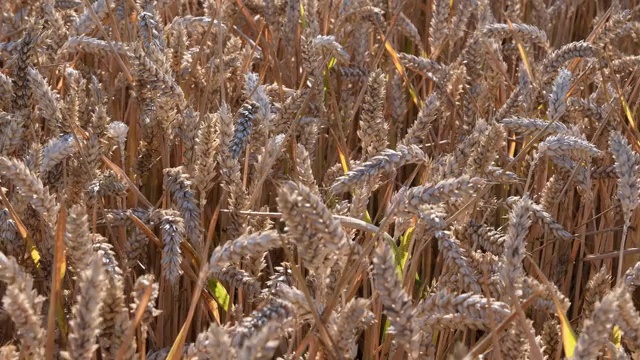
[616,336]
[219,293]
[569,339]
[403,250]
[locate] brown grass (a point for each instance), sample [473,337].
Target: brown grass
[315,179]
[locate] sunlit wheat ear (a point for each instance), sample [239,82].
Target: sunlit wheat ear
[352,319]
[24,57]
[444,310]
[562,144]
[320,239]
[85,325]
[139,289]
[11,134]
[238,278]
[172,230]
[427,67]
[488,238]
[453,164]
[77,239]
[56,150]
[243,128]
[615,26]
[550,337]
[627,167]
[233,251]
[632,277]
[559,57]
[590,342]
[275,310]
[446,190]
[527,127]
[528,33]
[396,302]
[373,127]
[419,131]
[205,150]
[545,294]
[439,27]
[557,101]
[31,186]
[24,305]
[515,243]
[263,344]
[214,342]
[179,186]
[596,288]
[483,156]
[545,219]
[9,352]
[304,171]
[628,319]
[458,262]
[384,163]
[115,315]
[514,342]
[48,101]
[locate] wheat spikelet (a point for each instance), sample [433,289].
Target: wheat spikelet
[420,128]
[373,127]
[456,256]
[212,342]
[559,57]
[550,337]
[488,238]
[173,230]
[31,186]
[303,169]
[597,286]
[444,310]
[446,190]
[514,244]
[233,251]
[601,322]
[439,29]
[139,289]
[205,160]
[397,304]
[180,187]
[95,46]
[424,66]
[238,278]
[320,239]
[562,144]
[527,32]
[386,162]
[24,55]
[87,321]
[243,128]
[352,318]
[528,127]
[546,220]
[77,238]
[48,101]
[275,310]
[626,167]
[557,102]
[23,304]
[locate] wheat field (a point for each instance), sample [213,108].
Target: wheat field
[319,179]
